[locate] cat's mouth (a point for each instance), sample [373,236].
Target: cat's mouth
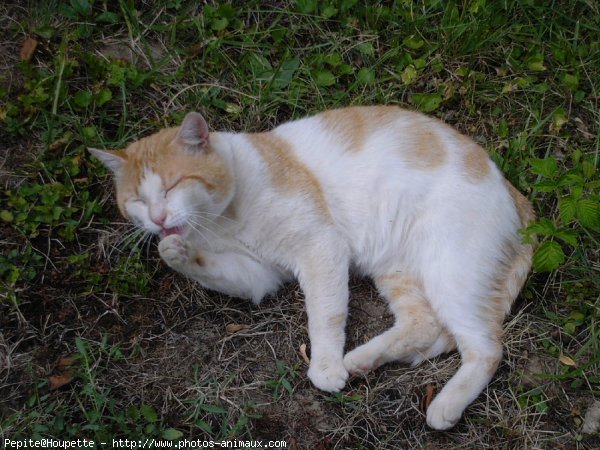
[169,231]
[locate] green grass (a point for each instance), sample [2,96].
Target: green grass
[519,76]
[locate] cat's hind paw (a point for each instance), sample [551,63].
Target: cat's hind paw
[443,412]
[361,360]
[327,375]
[173,250]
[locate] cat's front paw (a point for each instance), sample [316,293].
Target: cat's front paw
[173,250]
[327,375]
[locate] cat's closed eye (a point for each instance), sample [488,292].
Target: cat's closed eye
[174,185]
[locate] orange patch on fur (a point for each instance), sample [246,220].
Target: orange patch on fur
[352,125]
[395,286]
[337,321]
[475,159]
[524,207]
[384,115]
[427,151]
[348,125]
[199,260]
[487,363]
[286,171]
[401,289]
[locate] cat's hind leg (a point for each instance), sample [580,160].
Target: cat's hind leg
[474,319]
[416,334]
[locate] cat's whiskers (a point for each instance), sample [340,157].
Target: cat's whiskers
[136,246]
[208,222]
[194,224]
[194,227]
[217,216]
[148,241]
[131,233]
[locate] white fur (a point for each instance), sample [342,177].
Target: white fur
[385,217]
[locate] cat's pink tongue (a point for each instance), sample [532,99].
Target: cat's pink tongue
[169,231]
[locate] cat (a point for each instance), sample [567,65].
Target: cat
[391,194]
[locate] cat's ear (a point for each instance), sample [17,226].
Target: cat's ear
[113,160]
[193,132]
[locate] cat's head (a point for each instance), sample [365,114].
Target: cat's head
[170,181]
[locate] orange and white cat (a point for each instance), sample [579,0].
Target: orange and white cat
[391,194]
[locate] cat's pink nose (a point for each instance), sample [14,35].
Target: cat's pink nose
[158,217]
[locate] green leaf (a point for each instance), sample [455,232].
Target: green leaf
[324,78]
[66,11]
[278,34]
[81,7]
[261,68]
[548,257]
[347,4]
[6,216]
[328,12]
[546,167]
[333,59]
[45,32]
[570,81]
[503,129]
[103,96]
[89,132]
[108,17]
[546,186]
[133,413]
[149,413]
[475,5]
[588,213]
[83,98]
[366,48]
[306,6]
[366,76]
[559,118]
[280,367]
[542,226]
[220,24]
[286,73]
[204,426]
[568,236]
[226,10]
[345,69]
[427,102]
[409,75]
[578,317]
[215,409]
[588,169]
[573,180]
[536,63]
[567,206]
[413,42]
[171,434]
[81,347]
[286,384]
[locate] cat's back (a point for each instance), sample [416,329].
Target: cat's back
[402,140]
[364,151]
